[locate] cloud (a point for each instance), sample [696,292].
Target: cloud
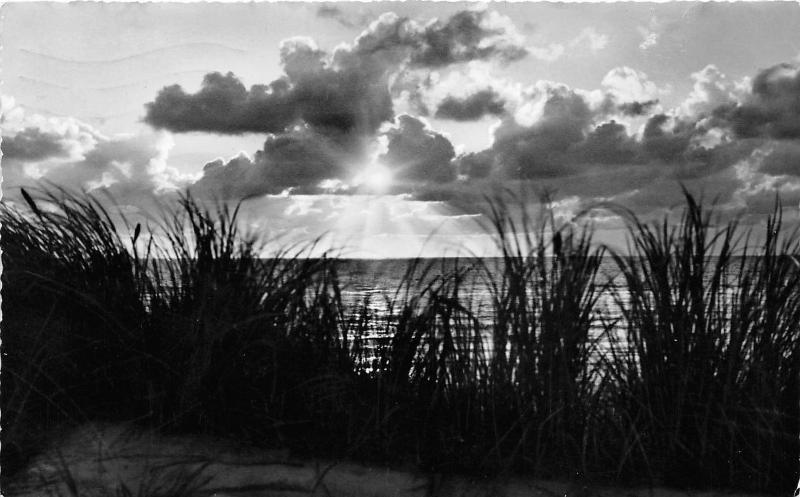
[130,168]
[466,36]
[665,138]
[299,160]
[345,98]
[650,34]
[417,154]
[710,91]
[626,92]
[324,116]
[32,137]
[305,162]
[329,11]
[553,132]
[782,158]
[650,39]
[628,85]
[72,154]
[590,38]
[468,92]
[239,177]
[568,141]
[608,143]
[477,164]
[772,109]
[475,106]
[559,118]
[549,53]
[469,35]
[223,105]
[33,144]
[635,109]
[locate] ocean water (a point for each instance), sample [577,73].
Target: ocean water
[380,286]
[380,282]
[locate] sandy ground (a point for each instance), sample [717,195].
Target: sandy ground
[115,461]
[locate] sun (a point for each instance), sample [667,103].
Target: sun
[375,177]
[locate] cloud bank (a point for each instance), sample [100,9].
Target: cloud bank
[326,116]
[377,100]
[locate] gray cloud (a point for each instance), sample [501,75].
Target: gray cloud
[330,11]
[224,105]
[327,111]
[346,90]
[773,107]
[637,108]
[33,144]
[239,177]
[477,164]
[416,153]
[540,150]
[662,142]
[129,168]
[468,35]
[482,103]
[608,143]
[569,136]
[300,159]
[323,115]
[783,158]
[344,100]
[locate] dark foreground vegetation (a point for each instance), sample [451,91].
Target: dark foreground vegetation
[193,332]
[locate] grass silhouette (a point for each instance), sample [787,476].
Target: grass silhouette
[186,327]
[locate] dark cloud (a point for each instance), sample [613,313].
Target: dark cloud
[302,159]
[327,109]
[540,150]
[298,159]
[324,116]
[476,164]
[224,105]
[350,95]
[773,108]
[468,35]
[784,158]
[32,144]
[346,90]
[608,143]
[664,142]
[240,177]
[569,137]
[637,108]
[306,157]
[417,154]
[473,107]
[344,100]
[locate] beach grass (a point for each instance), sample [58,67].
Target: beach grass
[184,326]
[707,376]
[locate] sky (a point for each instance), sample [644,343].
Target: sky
[382,126]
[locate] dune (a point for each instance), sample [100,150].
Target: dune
[119,460]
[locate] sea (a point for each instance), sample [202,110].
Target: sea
[380,282]
[379,285]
